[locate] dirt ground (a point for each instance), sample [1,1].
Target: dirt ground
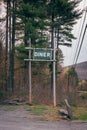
[16,117]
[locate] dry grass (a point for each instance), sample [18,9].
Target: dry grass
[80,113]
[49,113]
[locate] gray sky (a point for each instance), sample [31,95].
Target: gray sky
[69,52]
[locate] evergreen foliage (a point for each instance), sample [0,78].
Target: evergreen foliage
[38,19]
[43,21]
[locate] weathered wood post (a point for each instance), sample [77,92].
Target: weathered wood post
[69,110]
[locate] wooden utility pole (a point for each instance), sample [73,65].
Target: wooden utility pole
[30,88]
[54,74]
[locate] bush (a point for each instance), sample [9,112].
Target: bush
[1,95]
[83,95]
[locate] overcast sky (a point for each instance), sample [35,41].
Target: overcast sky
[69,52]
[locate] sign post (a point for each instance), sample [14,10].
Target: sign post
[42,54]
[54,74]
[30,88]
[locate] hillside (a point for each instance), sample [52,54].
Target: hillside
[81,69]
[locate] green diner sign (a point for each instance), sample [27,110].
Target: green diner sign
[42,54]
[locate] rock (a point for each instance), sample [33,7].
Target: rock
[63,112]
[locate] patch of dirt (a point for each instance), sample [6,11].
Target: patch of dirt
[18,111]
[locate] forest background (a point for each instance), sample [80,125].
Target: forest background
[44,22]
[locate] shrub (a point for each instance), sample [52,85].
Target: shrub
[1,95]
[83,96]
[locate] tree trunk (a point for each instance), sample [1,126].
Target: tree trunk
[12,17]
[6,50]
[52,41]
[13,44]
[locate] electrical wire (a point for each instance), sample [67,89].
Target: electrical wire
[76,53]
[81,45]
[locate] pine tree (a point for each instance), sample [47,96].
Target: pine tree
[10,40]
[37,19]
[62,16]
[32,14]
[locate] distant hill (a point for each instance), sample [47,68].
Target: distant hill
[81,69]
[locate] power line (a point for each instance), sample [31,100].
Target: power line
[81,44]
[76,53]
[79,38]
